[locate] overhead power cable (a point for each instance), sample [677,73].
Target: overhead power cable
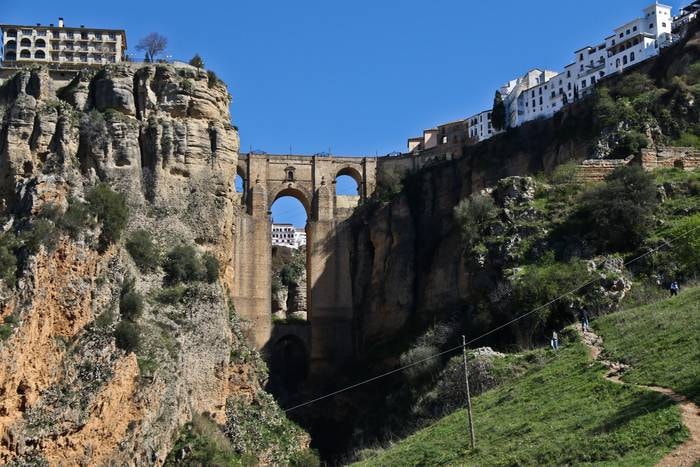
[497,328]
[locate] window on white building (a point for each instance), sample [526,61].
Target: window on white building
[624,59]
[631,56]
[663,25]
[583,84]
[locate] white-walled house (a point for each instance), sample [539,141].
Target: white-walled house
[287,235]
[541,93]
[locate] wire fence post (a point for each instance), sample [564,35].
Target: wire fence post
[469,398]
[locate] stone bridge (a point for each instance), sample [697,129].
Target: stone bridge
[327,337]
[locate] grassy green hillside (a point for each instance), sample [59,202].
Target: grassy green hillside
[564,413]
[660,341]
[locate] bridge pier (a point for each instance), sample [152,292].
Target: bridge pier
[310,179]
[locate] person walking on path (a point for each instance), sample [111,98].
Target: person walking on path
[583,318]
[555,341]
[674,288]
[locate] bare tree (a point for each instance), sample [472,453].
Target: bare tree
[153,44]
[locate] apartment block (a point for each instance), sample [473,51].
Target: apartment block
[288,236]
[541,93]
[61,45]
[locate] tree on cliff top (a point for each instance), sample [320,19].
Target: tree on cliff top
[197,61]
[153,44]
[498,114]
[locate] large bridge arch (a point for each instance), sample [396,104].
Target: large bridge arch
[311,180]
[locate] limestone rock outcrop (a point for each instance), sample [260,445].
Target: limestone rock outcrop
[161,135]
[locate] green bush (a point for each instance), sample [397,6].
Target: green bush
[634,84]
[142,249]
[631,143]
[111,210]
[686,249]
[127,335]
[171,295]
[564,174]
[76,218]
[197,61]
[130,304]
[202,443]
[211,267]
[689,140]
[305,458]
[94,129]
[212,79]
[40,232]
[50,211]
[473,215]
[422,362]
[182,264]
[618,214]
[389,183]
[5,331]
[8,260]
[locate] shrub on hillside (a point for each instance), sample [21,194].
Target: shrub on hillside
[182,264]
[422,361]
[40,232]
[111,210]
[127,336]
[633,84]
[212,79]
[76,218]
[93,129]
[630,143]
[130,304]
[618,214]
[389,183]
[686,247]
[201,442]
[473,215]
[211,267]
[305,458]
[536,287]
[143,250]
[171,295]
[8,260]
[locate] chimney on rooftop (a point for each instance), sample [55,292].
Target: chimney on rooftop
[60,22]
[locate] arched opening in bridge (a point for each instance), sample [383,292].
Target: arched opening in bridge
[240,184]
[348,189]
[289,367]
[289,266]
[345,185]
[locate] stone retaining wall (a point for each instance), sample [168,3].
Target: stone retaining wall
[595,170]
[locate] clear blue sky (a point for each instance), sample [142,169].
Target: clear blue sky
[358,77]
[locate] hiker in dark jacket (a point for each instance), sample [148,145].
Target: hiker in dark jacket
[674,288]
[583,318]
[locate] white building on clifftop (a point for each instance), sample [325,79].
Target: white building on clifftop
[541,93]
[287,235]
[62,45]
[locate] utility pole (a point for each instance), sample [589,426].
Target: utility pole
[469,398]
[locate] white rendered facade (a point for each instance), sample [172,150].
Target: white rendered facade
[62,45]
[542,93]
[287,235]
[480,126]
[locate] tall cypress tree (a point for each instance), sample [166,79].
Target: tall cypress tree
[498,114]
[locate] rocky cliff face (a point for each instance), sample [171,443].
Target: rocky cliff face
[161,135]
